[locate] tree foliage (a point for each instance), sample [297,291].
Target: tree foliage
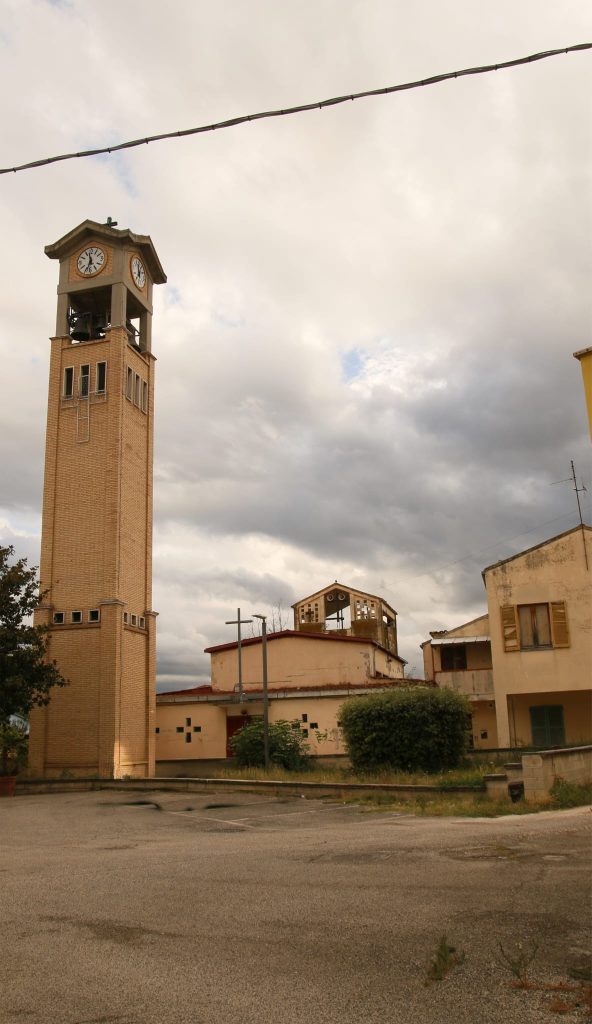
[287,746]
[409,730]
[26,676]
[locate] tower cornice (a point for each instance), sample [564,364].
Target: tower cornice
[91,229]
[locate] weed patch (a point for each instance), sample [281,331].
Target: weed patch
[570,794]
[519,960]
[445,959]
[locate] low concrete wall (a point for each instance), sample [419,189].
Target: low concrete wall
[309,789]
[539,771]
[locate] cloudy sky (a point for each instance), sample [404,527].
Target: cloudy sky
[365,344]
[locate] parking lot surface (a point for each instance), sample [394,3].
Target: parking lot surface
[225,908]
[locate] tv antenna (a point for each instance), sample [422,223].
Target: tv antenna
[578,490]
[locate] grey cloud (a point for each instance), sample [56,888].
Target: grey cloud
[442,234]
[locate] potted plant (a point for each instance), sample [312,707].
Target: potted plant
[13,753]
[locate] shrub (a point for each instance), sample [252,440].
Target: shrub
[287,746]
[406,729]
[570,794]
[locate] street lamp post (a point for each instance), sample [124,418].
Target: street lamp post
[265,689]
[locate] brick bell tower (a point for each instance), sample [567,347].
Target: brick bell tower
[96,541]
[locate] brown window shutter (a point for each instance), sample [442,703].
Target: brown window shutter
[509,628]
[559,628]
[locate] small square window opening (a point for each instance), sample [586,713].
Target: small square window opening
[75,616]
[142,622]
[94,615]
[58,618]
[134,620]
[197,728]
[180,728]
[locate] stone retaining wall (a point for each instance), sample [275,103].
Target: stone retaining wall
[539,771]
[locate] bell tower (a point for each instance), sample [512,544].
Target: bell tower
[96,541]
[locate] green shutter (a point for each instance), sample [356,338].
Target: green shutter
[548,729]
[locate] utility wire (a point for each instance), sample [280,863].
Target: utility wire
[475,555]
[301,108]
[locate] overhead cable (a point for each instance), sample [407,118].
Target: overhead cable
[301,108]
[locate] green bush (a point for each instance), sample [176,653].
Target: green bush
[570,794]
[411,730]
[287,746]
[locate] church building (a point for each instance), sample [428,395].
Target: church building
[343,645]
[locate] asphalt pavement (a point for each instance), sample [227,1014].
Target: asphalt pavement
[222,908]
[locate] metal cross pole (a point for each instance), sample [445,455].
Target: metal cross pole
[238,622]
[265,689]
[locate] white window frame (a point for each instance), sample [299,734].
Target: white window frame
[137,389]
[144,396]
[96,612]
[58,618]
[81,392]
[141,622]
[134,619]
[125,618]
[129,384]
[79,619]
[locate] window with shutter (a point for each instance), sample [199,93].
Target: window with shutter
[509,628]
[535,630]
[547,725]
[532,627]
[559,625]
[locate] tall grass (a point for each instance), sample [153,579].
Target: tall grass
[466,776]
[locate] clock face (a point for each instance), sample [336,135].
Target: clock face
[138,272]
[91,261]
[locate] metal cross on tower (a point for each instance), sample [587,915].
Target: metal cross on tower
[238,622]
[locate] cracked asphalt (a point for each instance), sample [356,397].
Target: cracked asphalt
[222,907]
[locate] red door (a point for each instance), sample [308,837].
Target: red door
[233,725]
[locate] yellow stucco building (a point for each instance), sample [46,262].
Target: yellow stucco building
[585,359]
[343,645]
[96,543]
[526,665]
[540,614]
[460,659]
